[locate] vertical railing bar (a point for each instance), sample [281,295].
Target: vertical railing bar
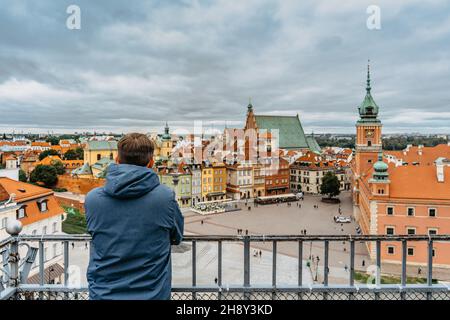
[352,263]
[378,271]
[274,268]
[246,265]
[430,269]
[300,263]
[66,263]
[404,255]
[325,265]
[219,268]
[41,263]
[274,263]
[430,263]
[300,267]
[219,258]
[194,267]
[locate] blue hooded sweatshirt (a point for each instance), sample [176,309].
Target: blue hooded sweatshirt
[133,221]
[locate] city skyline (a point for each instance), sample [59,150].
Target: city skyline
[132,67]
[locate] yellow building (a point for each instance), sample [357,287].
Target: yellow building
[94,151]
[166,144]
[214,181]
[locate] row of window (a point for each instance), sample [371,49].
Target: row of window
[216,188]
[409,251]
[277,181]
[410,231]
[22,211]
[44,229]
[410,211]
[205,180]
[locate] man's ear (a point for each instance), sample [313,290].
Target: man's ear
[117,160]
[150,163]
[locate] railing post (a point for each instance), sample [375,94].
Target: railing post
[325,268]
[194,268]
[300,266]
[378,268]
[325,264]
[246,265]
[14,228]
[430,269]
[66,266]
[219,268]
[352,267]
[14,263]
[274,268]
[404,271]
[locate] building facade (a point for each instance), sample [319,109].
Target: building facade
[214,181]
[40,214]
[392,196]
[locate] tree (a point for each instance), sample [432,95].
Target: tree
[71,155]
[74,154]
[80,153]
[22,176]
[53,140]
[44,174]
[59,166]
[330,185]
[46,153]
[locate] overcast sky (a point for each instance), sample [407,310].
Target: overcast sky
[135,64]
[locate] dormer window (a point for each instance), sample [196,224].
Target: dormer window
[21,212]
[43,206]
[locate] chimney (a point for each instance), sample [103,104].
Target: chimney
[440,172]
[440,169]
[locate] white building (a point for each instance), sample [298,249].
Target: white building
[40,214]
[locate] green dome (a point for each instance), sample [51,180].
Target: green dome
[380,166]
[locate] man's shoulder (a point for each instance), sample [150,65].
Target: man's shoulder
[94,194]
[163,192]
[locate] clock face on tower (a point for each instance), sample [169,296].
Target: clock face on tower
[369,133]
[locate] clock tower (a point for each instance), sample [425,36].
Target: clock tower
[368,132]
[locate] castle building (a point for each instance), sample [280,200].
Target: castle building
[396,197]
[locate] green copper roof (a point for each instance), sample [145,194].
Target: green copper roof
[368,109]
[166,135]
[102,145]
[84,170]
[313,145]
[291,134]
[380,168]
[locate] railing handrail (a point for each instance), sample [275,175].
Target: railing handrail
[252,238]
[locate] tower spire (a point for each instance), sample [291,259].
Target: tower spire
[250,106]
[368,77]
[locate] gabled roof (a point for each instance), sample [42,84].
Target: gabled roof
[291,134]
[22,190]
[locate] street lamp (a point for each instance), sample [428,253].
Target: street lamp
[317,268]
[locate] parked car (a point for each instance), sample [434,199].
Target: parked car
[342,219]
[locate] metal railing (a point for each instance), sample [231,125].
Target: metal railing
[15,286]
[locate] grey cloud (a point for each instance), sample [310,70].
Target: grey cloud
[136,64]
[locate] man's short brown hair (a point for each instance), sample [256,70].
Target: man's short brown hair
[135,148]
